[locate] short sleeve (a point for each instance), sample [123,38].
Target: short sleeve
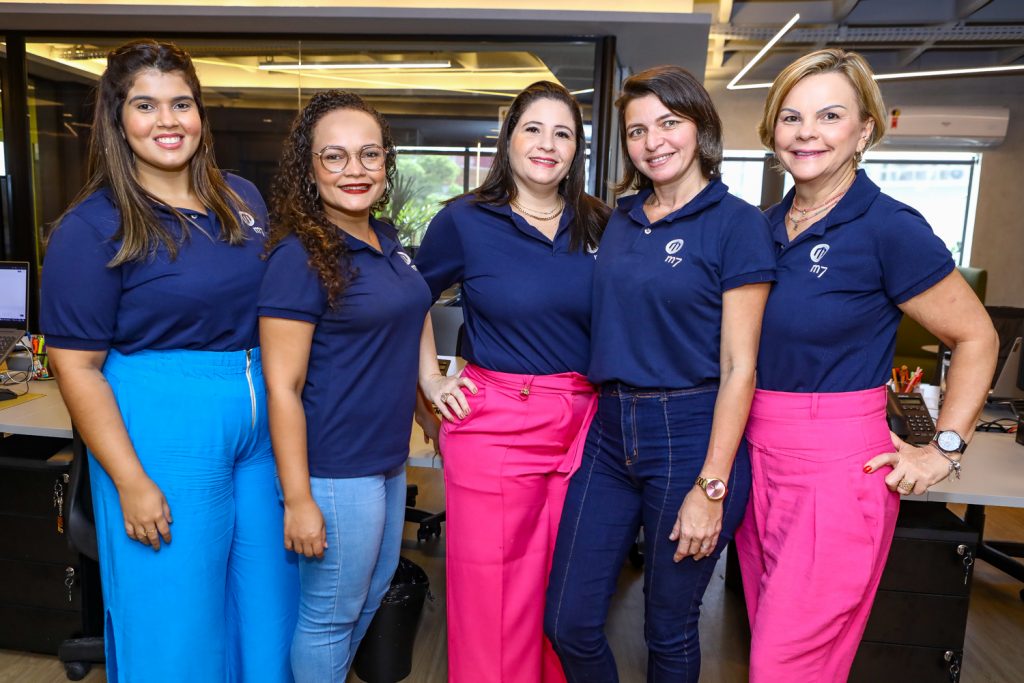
[913,258]
[440,258]
[747,253]
[79,293]
[291,288]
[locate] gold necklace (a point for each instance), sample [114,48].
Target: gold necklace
[539,215]
[814,211]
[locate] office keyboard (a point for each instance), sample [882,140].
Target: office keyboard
[7,341]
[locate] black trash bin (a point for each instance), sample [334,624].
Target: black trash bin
[385,655]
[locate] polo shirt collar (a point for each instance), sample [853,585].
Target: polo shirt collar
[854,204]
[712,193]
[387,245]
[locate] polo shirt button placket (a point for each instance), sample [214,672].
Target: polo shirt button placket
[647,231]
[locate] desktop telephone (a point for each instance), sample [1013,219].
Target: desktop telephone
[909,418]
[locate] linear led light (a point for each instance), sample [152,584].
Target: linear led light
[948,72]
[918,74]
[743,72]
[365,67]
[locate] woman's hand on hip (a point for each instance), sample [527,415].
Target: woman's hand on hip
[914,468]
[447,394]
[697,526]
[147,517]
[304,529]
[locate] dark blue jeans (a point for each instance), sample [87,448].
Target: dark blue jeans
[644,450]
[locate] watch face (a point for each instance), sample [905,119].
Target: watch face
[949,441]
[715,488]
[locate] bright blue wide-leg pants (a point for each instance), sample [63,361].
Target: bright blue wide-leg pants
[219,602]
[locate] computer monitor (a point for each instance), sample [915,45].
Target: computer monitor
[14,295]
[1008,386]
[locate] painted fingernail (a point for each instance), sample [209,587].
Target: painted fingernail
[868,469]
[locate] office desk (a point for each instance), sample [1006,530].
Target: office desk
[46,416]
[993,474]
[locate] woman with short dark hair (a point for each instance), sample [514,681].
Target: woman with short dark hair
[679,289]
[149,308]
[522,246]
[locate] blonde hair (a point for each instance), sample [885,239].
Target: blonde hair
[831,60]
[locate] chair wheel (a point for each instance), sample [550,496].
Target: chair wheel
[76,671]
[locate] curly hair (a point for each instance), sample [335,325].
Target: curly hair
[295,205]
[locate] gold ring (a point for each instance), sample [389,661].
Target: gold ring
[906,486]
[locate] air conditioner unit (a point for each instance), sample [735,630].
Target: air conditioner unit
[938,127]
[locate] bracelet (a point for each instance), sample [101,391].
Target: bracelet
[954,465]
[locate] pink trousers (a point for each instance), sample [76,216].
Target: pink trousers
[506,470]
[817,531]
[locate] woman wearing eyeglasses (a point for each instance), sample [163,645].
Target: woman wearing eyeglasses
[341,313]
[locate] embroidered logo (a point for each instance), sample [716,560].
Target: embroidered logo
[248,219]
[592,250]
[672,248]
[406,258]
[818,252]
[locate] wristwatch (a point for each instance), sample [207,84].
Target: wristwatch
[950,442]
[713,488]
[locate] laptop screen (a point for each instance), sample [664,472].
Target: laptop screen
[14,294]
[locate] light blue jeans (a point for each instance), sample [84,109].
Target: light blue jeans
[340,593]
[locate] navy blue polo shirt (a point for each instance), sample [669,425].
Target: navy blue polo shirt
[525,298]
[658,287]
[830,324]
[360,389]
[204,299]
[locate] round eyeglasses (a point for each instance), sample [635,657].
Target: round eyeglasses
[335,159]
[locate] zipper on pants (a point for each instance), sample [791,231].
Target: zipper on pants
[252,390]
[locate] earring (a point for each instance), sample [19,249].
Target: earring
[313,189]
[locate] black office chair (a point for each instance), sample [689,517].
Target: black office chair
[1009,324]
[79,654]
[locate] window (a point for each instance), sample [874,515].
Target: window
[942,186]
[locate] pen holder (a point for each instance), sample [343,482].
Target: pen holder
[40,361]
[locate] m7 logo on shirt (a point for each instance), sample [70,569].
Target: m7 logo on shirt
[673,247]
[818,252]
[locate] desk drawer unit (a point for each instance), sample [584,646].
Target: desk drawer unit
[919,618]
[41,579]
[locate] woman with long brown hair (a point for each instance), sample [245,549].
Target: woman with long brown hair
[522,246]
[149,306]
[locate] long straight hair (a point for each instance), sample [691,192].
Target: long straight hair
[499,187]
[112,162]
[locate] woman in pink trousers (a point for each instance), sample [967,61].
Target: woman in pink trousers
[827,473]
[522,245]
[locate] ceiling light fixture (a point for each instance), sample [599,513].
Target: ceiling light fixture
[920,74]
[272,66]
[743,72]
[948,72]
